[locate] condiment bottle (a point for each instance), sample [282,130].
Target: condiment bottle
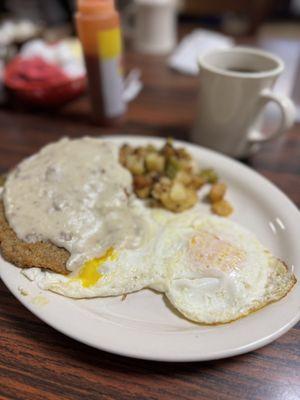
[98,25]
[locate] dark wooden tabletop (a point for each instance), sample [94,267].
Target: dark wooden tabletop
[38,363]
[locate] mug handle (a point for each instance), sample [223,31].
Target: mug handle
[288,116]
[129,21]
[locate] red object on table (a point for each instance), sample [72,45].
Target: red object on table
[40,83]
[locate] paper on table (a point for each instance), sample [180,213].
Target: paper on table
[200,41]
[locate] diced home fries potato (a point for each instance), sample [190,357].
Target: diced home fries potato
[171,178]
[217,192]
[135,164]
[155,162]
[222,208]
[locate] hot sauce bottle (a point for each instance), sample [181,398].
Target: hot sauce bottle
[98,26]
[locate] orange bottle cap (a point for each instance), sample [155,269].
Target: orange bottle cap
[93,7]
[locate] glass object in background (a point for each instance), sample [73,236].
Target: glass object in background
[152,25]
[98,25]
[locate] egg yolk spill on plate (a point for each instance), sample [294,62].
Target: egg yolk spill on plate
[89,272]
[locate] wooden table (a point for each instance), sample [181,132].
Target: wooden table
[38,363]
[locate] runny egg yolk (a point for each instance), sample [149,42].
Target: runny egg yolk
[89,272]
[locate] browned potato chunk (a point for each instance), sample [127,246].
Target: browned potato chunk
[141,152]
[197,182]
[2,179]
[135,164]
[142,186]
[161,187]
[185,165]
[142,181]
[178,192]
[174,196]
[155,162]
[125,151]
[190,180]
[184,177]
[217,192]
[143,193]
[222,208]
[178,200]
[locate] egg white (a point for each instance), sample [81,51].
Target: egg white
[125,270]
[217,271]
[127,273]
[211,269]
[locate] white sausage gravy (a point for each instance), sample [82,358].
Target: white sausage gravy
[75,194]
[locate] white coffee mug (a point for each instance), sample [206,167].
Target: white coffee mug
[235,85]
[152,25]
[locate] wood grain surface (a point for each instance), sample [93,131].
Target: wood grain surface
[38,363]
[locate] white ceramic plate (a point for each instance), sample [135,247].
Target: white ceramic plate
[143,325]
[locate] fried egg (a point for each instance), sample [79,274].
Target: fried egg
[116,271]
[211,269]
[216,271]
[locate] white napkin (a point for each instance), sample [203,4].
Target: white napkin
[185,57]
[132,85]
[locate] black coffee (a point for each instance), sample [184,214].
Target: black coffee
[242,70]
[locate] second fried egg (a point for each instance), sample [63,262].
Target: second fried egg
[217,271]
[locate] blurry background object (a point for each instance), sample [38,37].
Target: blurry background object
[51,12]
[56,16]
[2,91]
[66,54]
[46,75]
[295,6]
[152,25]
[185,57]
[49,70]
[18,31]
[237,19]
[98,25]
[13,34]
[233,16]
